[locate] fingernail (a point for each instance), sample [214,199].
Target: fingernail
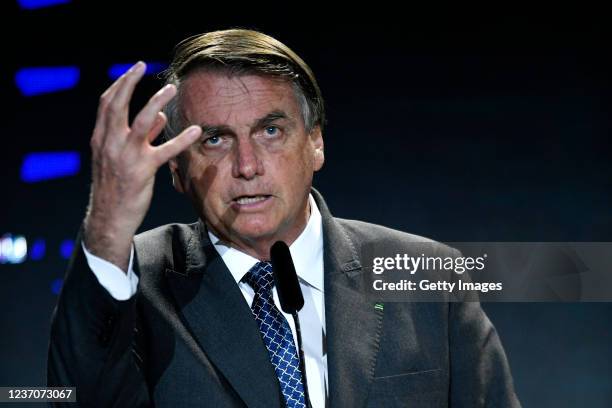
[163,90]
[136,66]
[193,130]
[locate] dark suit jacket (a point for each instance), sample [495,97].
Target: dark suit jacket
[188,338]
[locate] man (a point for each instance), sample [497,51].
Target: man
[185,315]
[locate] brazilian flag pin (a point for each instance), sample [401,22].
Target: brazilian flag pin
[379,306]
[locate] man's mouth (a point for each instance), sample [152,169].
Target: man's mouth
[250,199]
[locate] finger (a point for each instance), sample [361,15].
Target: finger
[158,126]
[118,107]
[110,92]
[99,136]
[105,98]
[108,95]
[144,120]
[176,145]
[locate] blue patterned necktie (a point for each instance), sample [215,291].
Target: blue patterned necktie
[276,334]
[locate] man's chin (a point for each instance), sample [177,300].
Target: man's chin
[254,232]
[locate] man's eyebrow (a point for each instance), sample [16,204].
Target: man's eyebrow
[269,118]
[214,130]
[258,124]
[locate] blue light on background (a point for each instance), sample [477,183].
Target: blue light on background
[37,251]
[49,165]
[115,71]
[56,285]
[66,248]
[35,4]
[40,80]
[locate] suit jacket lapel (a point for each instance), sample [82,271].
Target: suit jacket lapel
[214,310]
[221,322]
[353,324]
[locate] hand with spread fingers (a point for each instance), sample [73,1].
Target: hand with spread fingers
[124,164]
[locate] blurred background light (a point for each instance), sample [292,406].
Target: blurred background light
[116,70]
[37,250]
[56,285]
[66,248]
[40,80]
[42,166]
[36,4]
[13,249]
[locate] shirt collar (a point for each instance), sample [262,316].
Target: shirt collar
[306,251]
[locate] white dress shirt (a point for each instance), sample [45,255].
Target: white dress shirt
[307,254]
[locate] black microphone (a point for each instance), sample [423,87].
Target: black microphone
[289,295]
[287,284]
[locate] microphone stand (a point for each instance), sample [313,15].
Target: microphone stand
[290,297]
[298,332]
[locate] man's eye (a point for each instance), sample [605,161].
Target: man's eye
[272,131]
[212,141]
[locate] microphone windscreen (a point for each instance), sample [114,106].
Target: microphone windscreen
[287,284]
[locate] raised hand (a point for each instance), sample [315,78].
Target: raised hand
[124,164]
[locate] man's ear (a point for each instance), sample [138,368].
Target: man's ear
[316,138]
[177,180]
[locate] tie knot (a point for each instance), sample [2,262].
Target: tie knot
[260,277]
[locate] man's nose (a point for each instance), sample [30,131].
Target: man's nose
[247,162]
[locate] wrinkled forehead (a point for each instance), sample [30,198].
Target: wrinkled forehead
[234,100]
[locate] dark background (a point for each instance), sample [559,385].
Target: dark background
[460,125]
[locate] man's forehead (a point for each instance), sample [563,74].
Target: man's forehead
[219,85]
[217,97]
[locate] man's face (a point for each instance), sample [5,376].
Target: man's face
[250,174]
